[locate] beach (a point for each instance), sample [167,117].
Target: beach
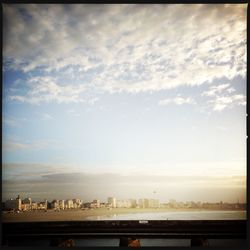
[120,213]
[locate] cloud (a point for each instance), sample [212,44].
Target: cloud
[177,100]
[47,89]
[213,90]
[223,96]
[223,102]
[123,48]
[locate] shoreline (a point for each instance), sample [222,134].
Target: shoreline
[78,214]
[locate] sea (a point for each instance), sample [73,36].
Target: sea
[176,215]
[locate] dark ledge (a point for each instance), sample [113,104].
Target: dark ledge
[209,229]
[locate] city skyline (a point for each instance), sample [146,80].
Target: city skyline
[124,100]
[115,200]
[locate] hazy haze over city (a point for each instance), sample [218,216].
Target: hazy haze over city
[130,101]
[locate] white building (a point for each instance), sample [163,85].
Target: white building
[112,202]
[55,204]
[43,205]
[154,203]
[77,203]
[133,203]
[143,203]
[95,204]
[69,204]
[26,204]
[61,204]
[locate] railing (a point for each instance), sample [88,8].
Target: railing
[173,229]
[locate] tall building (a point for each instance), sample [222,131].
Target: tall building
[61,204]
[112,202]
[133,203]
[42,205]
[172,203]
[154,203]
[55,204]
[69,204]
[27,204]
[96,203]
[77,203]
[143,203]
[19,203]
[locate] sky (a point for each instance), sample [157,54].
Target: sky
[130,101]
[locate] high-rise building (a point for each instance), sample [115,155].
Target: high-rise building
[55,204]
[112,202]
[154,203]
[19,203]
[27,204]
[77,203]
[96,203]
[143,203]
[61,204]
[133,203]
[69,204]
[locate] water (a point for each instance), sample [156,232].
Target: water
[176,215]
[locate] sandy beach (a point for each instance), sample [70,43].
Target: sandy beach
[78,214]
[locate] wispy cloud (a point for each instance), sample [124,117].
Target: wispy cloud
[220,103]
[213,90]
[223,96]
[177,100]
[47,89]
[143,54]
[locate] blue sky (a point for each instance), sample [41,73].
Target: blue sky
[125,89]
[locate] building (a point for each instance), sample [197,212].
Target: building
[125,203]
[43,205]
[26,204]
[143,203]
[34,205]
[172,203]
[19,202]
[86,205]
[133,203]
[102,204]
[25,207]
[154,203]
[121,204]
[77,203]
[54,204]
[112,202]
[95,204]
[61,204]
[69,204]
